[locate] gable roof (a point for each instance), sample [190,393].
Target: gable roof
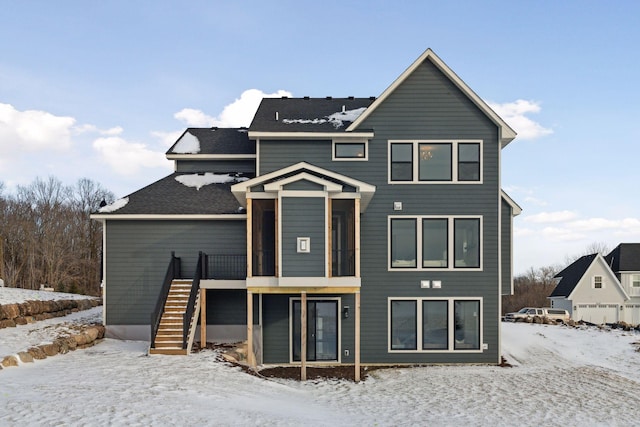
[214,141]
[515,208]
[168,196]
[571,275]
[308,172]
[625,257]
[328,115]
[507,134]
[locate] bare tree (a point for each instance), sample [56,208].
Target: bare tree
[47,236]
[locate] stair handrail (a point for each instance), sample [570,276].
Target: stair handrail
[173,272]
[191,305]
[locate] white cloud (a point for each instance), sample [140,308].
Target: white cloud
[167,138]
[86,128]
[558,233]
[514,113]
[127,158]
[237,114]
[535,201]
[551,217]
[33,130]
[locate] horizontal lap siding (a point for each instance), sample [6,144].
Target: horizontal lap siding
[138,254]
[275,328]
[426,106]
[303,217]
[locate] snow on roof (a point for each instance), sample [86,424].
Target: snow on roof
[118,204]
[188,144]
[336,119]
[199,181]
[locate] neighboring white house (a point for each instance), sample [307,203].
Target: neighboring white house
[601,289]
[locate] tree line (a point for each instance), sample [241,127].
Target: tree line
[48,238]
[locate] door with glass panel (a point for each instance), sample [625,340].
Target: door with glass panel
[322,330]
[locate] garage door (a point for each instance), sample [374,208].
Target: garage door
[596,313]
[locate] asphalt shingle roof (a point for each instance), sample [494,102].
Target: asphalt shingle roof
[170,197]
[625,257]
[307,114]
[572,275]
[220,141]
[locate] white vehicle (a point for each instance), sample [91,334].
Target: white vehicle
[531,312]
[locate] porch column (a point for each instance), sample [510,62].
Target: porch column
[249,238]
[357,338]
[303,336]
[251,360]
[203,318]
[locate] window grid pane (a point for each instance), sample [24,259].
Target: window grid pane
[404,325]
[435,243]
[467,243]
[401,162]
[435,162]
[435,328]
[403,243]
[469,162]
[349,150]
[467,325]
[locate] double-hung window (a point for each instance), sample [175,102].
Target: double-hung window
[435,242]
[434,324]
[597,282]
[435,161]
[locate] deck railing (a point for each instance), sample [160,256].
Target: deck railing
[173,272]
[191,305]
[225,267]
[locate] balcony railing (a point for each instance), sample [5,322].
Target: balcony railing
[225,267]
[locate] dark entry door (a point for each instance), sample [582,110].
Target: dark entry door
[322,330]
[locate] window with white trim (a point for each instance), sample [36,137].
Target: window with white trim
[597,282]
[349,151]
[435,161]
[635,281]
[435,242]
[434,324]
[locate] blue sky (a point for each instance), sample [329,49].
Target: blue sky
[101,89]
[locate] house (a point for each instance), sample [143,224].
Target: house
[601,289]
[332,230]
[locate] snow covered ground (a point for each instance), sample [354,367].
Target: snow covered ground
[17,295]
[561,376]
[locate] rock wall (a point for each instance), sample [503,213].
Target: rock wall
[31,311]
[87,337]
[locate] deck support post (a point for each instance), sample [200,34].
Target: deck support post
[203,318]
[357,338]
[251,360]
[303,336]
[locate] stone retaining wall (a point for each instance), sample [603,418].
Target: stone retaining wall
[31,311]
[87,337]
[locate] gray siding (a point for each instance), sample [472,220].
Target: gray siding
[216,166]
[303,217]
[138,252]
[426,106]
[275,328]
[304,185]
[276,323]
[506,248]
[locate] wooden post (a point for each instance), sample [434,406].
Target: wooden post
[303,336]
[357,337]
[249,238]
[251,360]
[203,318]
[330,238]
[356,226]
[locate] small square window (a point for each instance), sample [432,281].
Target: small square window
[597,282]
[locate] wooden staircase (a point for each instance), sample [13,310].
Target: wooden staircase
[168,340]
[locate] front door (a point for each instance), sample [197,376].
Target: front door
[322,330]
